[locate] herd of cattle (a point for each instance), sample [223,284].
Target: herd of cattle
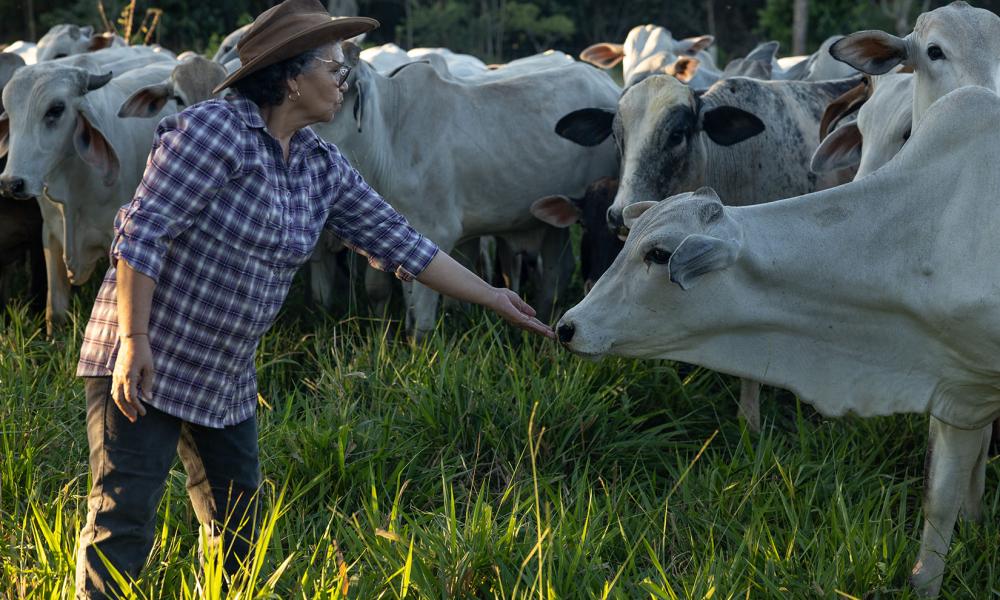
[873,296]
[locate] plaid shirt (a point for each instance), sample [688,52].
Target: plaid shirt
[222,224]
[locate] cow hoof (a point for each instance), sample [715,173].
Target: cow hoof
[926,578]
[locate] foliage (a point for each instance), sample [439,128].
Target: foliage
[483,464]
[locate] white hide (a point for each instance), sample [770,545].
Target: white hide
[80,198]
[874,298]
[461,159]
[67,40]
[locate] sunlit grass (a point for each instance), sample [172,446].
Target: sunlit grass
[486,464]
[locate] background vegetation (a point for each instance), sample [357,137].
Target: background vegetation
[500,30]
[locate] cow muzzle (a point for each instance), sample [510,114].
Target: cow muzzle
[15,187]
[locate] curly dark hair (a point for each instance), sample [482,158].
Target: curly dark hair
[267,86]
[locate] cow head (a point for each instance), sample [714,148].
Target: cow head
[190,82]
[67,40]
[883,125]
[648,50]
[950,47]
[657,128]
[48,118]
[598,246]
[676,251]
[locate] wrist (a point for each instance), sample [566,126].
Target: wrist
[133,334]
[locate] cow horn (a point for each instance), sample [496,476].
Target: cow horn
[96,81]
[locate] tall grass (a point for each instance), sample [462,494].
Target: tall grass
[484,464]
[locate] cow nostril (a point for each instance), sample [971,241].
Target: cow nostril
[615,220]
[12,185]
[565,332]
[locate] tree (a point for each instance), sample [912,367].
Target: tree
[800,26]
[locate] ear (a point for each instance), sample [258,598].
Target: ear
[873,52]
[844,105]
[839,150]
[87,31]
[352,53]
[99,42]
[684,68]
[148,101]
[4,134]
[95,149]
[587,126]
[557,211]
[359,103]
[728,125]
[694,45]
[698,255]
[603,55]
[634,211]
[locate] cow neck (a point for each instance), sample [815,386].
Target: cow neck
[371,149]
[883,284]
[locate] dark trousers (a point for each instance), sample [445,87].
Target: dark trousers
[129,463]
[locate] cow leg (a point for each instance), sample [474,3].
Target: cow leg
[36,260]
[509,262]
[57,305]
[951,459]
[972,506]
[749,409]
[421,309]
[553,273]
[378,287]
[324,271]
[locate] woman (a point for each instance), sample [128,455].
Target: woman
[234,198]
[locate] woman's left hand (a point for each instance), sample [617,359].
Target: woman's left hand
[517,312]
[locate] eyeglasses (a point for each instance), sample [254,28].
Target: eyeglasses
[342,72]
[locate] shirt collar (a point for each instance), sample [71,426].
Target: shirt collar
[250,114]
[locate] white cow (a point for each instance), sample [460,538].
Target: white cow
[461,160]
[950,47]
[191,81]
[650,50]
[67,40]
[28,51]
[750,139]
[882,126]
[62,136]
[389,57]
[874,298]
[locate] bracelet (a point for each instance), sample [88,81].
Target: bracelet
[128,335]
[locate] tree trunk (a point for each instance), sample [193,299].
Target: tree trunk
[800,27]
[29,16]
[342,8]
[408,15]
[710,22]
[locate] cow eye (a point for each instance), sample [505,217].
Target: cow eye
[60,55]
[935,52]
[676,137]
[55,111]
[658,256]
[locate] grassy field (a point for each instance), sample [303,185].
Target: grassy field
[483,464]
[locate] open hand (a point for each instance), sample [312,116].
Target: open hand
[519,313]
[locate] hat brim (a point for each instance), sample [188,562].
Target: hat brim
[337,28]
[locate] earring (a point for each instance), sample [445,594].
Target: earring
[297,96]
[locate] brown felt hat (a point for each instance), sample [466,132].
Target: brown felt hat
[289,29]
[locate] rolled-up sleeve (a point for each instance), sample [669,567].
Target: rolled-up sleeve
[194,154]
[366,222]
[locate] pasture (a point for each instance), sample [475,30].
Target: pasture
[484,464]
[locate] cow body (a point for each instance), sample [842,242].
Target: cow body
[461,159]
[876,297]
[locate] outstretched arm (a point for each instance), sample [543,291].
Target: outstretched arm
[446,276]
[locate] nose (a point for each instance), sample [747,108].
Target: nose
[12,186]
[615,220]
[565,332]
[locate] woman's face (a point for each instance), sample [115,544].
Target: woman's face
[320,96]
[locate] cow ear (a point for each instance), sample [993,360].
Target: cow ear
[698,255]
[101,41]
[95,149]
[148,101]
[694,45]
[684,68]
[587,126]
[557,211]
[728,125]
[839,150]
[873,52]
[4,134]
[603,55]
[352,53]
[634,211]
